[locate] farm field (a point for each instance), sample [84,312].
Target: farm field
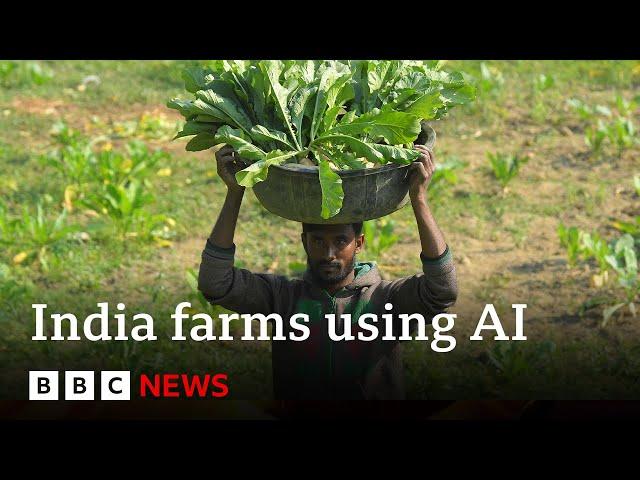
[554,223]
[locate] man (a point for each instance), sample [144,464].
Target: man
[334,283]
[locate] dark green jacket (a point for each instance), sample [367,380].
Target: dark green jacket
[319,368]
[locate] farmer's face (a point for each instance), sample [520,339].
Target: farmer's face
[331,252]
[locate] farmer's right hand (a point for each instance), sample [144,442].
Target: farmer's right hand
[229,163]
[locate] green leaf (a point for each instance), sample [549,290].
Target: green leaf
[263,134]
[332,193]
[459,95]
[235,138]
[396,154]
[297,107]
[183,106]
[426,106]
[356,145]
[346,159]
[196,78]
[330,117]
[279,94]
[229,106]
[201,141]
[194,128]
[327,79]
[201,108]
[395,127]
[258,171]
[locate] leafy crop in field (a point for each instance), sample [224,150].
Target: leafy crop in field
[625,263]
[79,160]
[622,134]
[123,204]
[379,235]
[543,82]
[336,115]
[138,163]
[587,112]
[34,234]
[595,136]
[14,73]
[491,79]
[619,256]
[445,174]
[148,126]
[619,131]
[515,359]
[570,239]
[505,166]
[594,246]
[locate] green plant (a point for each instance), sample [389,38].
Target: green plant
[594,246]
[117,168]
[74,156]
[148,126]
[379,235]
[542,83]
[587,112]
[636,184]
[122,204]
[336,115]
[14,73]
[515,359]
[491,79]
[505,166]
[622,134]
[626,108]
[446,173]
[595,136]
[34,234]
[624,261]
[570,239]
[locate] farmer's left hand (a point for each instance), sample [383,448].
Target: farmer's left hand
[421,171]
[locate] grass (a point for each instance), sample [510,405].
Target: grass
[510,240]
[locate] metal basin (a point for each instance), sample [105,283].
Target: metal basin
[292,191]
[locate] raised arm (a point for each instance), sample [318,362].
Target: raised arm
[219,281]
[436,288]
[431,238]
[225,227]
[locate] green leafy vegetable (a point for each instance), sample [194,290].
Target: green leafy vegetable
[346,114]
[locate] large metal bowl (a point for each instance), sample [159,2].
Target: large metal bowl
[292,191]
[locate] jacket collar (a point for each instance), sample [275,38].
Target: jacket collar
[366,274]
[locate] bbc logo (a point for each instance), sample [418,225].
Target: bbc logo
[79,385]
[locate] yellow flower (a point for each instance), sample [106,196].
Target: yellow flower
[162,243]
[107,147]
[19,258]
[164,172]
[69,193]
[171,222]
[82,87]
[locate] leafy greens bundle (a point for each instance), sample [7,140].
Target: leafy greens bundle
[338,115]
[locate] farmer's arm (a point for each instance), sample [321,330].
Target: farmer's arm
[219,281]
[436,288]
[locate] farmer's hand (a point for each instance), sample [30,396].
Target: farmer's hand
[229,163]
[421,172]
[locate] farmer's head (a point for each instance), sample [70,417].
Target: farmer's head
[331,250]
